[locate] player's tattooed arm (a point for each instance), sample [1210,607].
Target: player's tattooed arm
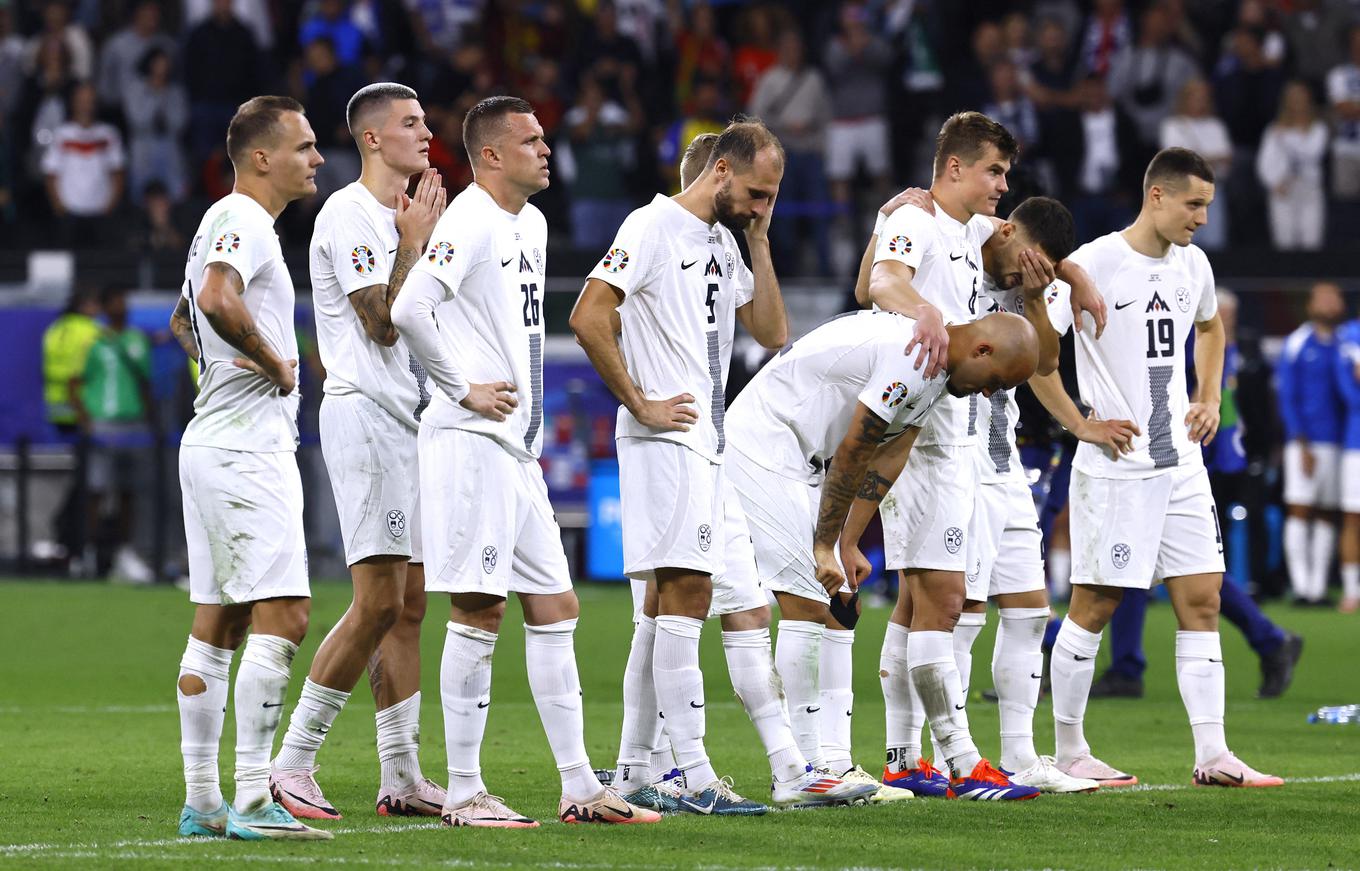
[593,321]
[842,483]
[182,328]
[372,305]
[221,304]
[874,487]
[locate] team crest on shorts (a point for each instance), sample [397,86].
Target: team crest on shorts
[1120,554]
[895,395]
[441,254]
[227,243]
[899,245]
[1183,299]
[953,539]
[489,559]
[396,523]
[615,261]
[363,259]
[705,537]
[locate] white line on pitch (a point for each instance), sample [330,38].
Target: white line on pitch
[1168,787]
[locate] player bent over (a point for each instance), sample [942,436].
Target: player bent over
[738,600]
[239,475]
[472,314]
[367,237]
[1148,515]
[845,389]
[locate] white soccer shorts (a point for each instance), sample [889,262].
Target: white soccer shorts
[1320,490]
[1005,547]
[485,515]
[242,525]
[671,499]
[781,514]
[1137,532]
[927,513]
[371,461]
[1350,482]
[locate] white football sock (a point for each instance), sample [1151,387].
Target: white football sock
[316,710]
[798,658]
[1199,674]
[200,722]
[680,692]
[465,695]
[261,686]
[663,757]
[936,675]
[751,668]
[965,633]
[837,698]
[1297,557]
[1323,549]
[550,660]
[1059,562]
[399,744]
[1073,667]
[1017,671]
[641,723]
[1350,580]
[901,706]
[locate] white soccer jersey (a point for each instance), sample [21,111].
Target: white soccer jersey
[997,417]
[947,257]
[237,409]
[1137,370]
[682,282]
[353,245]
[487,303]
[794,414]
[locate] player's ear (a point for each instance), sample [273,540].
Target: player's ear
[983,349]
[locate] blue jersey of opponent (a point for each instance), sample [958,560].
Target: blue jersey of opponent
[1305,379]
[1347,363]
[1226,454]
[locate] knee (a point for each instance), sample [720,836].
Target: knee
[381,614]
[413,609]
[296,621]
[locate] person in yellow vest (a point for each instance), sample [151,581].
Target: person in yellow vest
[65,346]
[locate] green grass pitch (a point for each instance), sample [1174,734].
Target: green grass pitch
[90,768]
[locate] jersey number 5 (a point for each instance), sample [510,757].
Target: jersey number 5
[711,301]
[530,292]
[1161,338]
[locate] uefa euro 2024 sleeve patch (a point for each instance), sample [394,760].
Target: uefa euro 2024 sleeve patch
[895,394]
[899,245]
[227,243]
[363,259]
[615,261]
[440,254]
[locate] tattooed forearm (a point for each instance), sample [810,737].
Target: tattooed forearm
[874,487]
[847,472]
[375,315]
[183,329]
[406,258]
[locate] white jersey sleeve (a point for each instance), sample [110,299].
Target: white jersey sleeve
[906,236]
[633,260]
[358,251]
[239,243]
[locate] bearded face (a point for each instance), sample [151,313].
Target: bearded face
[725,210]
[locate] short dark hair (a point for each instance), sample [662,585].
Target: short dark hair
[696,157]
[1048,224]
[371,97]
[744,138]
[1171,166]
[966,136]
[257,119]
[480,120]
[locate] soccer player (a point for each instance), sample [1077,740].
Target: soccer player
[644,769]
[1312,410]
[931,266]
[1146,514]
[1348,380]
[239,475]
[367,237]
[472,313]
[675,288]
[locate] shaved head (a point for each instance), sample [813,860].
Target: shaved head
[997,352]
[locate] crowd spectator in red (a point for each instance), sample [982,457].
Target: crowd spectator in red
[756,51]
[702,55]
[84,171]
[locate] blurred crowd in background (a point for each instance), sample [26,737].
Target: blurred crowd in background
[116,109]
